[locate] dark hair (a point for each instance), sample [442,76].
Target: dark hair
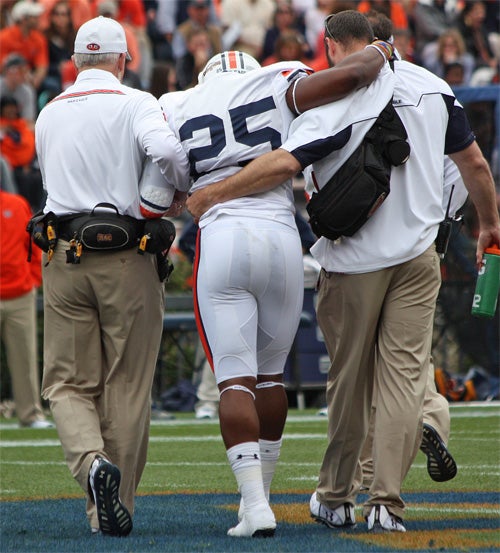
[9,101]
[289,36]
[467,7]
[14,60]
[451,66]
[69,37]
[381,24]
[348,26]
[160,77]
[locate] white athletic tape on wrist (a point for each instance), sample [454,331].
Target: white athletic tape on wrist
[239,388]
[297,110]
[269,384]
[378,50]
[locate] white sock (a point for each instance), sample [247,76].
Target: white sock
[269,455]
[246,466]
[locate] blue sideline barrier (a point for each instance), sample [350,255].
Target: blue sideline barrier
[491,93]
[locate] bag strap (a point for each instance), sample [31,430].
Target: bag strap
[106,205]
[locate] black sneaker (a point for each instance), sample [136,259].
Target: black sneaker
[440,464]
[104,480]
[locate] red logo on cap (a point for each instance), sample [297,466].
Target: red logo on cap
[93,46]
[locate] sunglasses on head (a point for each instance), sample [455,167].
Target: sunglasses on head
[328,33]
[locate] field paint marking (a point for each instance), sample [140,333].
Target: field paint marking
[467,511]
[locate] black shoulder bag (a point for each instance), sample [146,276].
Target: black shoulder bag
[362,183]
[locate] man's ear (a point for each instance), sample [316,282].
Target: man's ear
[330,49]
[122,60]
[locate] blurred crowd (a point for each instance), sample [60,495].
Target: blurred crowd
[171,40]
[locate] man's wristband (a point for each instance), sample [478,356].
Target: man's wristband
[385,48]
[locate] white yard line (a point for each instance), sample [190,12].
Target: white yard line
[153,439]
[457,410]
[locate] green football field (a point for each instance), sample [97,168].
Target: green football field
[187,497]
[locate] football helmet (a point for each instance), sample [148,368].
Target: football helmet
[228,62]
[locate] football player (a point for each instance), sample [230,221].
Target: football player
[248,268]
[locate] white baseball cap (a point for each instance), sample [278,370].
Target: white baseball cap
[101,35]
[23,9]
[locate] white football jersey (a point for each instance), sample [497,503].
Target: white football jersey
[229,120]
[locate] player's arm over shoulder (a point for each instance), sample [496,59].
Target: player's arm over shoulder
[355,71]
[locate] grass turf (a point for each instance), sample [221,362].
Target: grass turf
[187,497]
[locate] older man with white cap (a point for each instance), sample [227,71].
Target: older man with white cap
[103,303]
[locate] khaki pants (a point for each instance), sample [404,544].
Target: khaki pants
[436,412]
[18,325]
[103,326]
[378,330]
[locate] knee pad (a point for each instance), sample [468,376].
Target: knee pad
[269,384]
[239,388]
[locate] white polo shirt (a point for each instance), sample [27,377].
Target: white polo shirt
[93,139]
[407,222]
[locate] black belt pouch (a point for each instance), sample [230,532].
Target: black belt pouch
[102,230]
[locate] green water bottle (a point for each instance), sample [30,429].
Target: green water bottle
[484,303]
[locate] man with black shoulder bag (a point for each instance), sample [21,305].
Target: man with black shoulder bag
[105,245]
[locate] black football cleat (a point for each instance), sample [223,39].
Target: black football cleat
[440,464]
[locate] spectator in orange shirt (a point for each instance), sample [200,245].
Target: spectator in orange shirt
[18,321]
[17,146]
[23,37]
[132,12]
[17,140]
